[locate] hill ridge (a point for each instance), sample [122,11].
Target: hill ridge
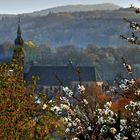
[76,8]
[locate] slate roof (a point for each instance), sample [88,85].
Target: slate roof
[67,74]
[5,59]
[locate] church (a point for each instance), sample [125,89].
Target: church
[51,77]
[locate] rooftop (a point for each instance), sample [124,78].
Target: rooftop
[66,74]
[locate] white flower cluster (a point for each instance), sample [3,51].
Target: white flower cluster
[44,106]
[64,100]
[138,113]
[125,84]
[65,104]
[37,100]
[106,115]
[120,136]
[137,92]
[81,89]
[107,119]
[56,109]
[136,133]
[85,101]
[67,91]
[113,130]
[75,138]
[80,119]
[73,125]
[123,125]
[108,105]
[133,106]
[104,129]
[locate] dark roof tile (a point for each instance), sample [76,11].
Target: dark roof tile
[67,74]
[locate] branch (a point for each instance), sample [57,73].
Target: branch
[135,9]
[133,25]
[133,40]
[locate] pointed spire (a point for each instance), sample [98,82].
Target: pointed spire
[19,30]
[19,41]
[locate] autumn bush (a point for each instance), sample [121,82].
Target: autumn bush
[21,115]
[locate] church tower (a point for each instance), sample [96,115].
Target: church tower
[19,41]
[19,54]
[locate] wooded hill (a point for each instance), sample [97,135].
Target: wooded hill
[100,27]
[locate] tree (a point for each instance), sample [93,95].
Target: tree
[24,114]
[85,116]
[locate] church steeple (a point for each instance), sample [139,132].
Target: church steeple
[19,53]
[19,41]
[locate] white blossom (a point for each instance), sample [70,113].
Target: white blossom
[123,124]
[119,136]
[79,129]
[100,111]
[111,120]
[64,106]
[66,120]
[56,109]
[138,113]
[123,121]
[67,91]
[75,138]
[113,130]
[101,120]
[125,138]
[67,130]
[136,133]
[108,104]
[69,124]
[108,112]
[51,101]
[89,128]
[37,100]
[137,92]
[85,101]
[104,129]
[124,87]
[81,88]
[44,106]
[77,120]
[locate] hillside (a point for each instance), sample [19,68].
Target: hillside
[76,8]
[100,27]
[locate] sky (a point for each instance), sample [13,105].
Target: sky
[26,6]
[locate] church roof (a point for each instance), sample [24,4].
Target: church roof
[6,59]
[66,74]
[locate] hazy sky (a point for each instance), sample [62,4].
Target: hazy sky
[24,6]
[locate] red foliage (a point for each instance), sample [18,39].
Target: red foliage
[120,104]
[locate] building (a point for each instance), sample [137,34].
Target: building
[51,77]
[61,75]
[15,65]
[19,53]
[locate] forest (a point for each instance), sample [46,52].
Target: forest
[101,27]
[107,61]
